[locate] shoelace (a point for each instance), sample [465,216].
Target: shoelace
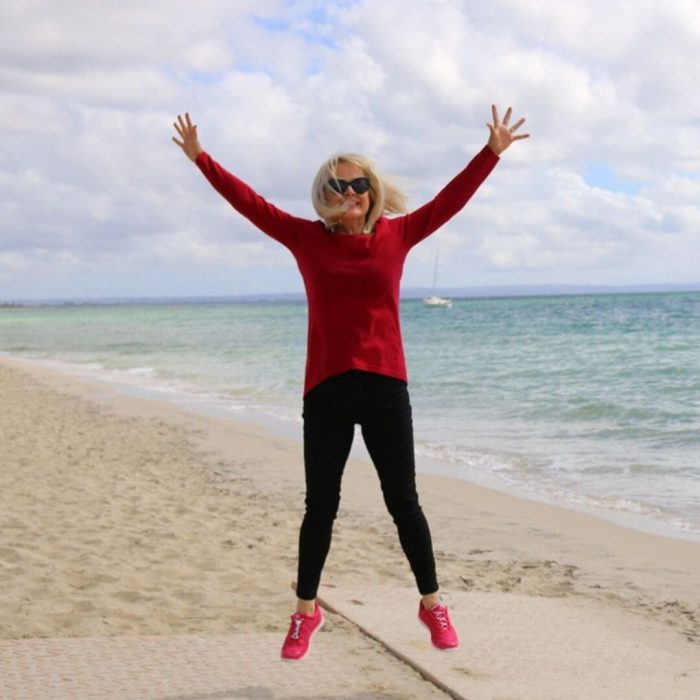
[298,622]
[440,614]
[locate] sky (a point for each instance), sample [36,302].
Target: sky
[97,201]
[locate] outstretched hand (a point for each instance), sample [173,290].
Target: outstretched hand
[501,135]
[188,133]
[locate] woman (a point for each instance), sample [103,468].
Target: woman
[351,263]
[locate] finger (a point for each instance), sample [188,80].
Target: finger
[521,136]
[181,122]
[179,143]
[494,112]
[506,118]
[189,121]
[517,124]
[178,129]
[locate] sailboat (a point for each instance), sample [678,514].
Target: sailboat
[434,300]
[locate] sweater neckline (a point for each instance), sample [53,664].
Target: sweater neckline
[351,236]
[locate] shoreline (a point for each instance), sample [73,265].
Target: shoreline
[209,405]
[155,519]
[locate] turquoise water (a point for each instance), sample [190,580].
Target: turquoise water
[591,402]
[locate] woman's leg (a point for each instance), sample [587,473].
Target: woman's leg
[328,434]
[387,429]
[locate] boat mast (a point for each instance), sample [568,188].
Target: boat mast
[437,253]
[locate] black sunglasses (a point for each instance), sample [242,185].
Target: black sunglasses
[359,185]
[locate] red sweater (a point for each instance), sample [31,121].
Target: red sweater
[352,280]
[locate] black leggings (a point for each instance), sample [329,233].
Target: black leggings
[381,406]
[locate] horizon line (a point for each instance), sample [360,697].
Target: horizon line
[522,290]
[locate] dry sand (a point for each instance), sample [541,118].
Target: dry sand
[121,515]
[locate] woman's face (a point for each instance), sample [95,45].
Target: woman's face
[355,205]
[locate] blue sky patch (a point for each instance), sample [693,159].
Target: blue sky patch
[314,26]
[602,175]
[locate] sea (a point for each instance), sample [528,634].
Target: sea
[586,401]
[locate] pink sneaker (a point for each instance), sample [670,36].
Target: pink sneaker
[442,634]
[301,630]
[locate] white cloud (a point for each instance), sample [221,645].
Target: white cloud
[90,181]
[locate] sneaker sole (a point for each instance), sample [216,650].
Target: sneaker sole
[425,624]
[311,636]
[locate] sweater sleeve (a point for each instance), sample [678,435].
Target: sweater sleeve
[277,224]
[420,223]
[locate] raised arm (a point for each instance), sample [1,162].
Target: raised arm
[276,223]
[420,223]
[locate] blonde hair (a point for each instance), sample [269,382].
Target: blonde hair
[384,196]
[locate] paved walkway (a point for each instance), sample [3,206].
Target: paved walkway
[516,647]
[513,648]
[343,664]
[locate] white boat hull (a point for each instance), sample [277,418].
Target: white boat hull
[437,301]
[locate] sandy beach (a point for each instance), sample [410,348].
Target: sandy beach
[122,515]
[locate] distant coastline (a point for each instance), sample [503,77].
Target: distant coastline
[407,294]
